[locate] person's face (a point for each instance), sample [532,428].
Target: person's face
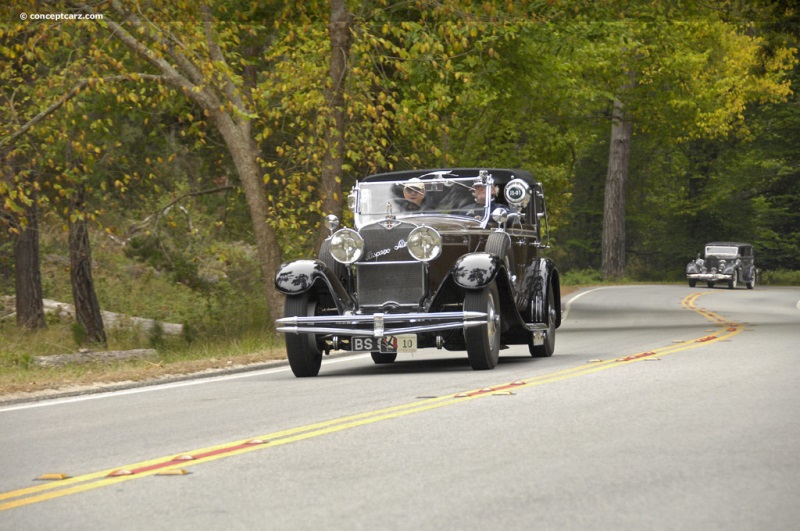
[480,193]
[413,195]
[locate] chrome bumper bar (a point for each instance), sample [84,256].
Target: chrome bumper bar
[713,277]
[380,324]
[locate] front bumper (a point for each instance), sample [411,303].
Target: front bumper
[380,324]
[387,324]
[709,277]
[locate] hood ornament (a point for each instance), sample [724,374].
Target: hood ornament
[391,220]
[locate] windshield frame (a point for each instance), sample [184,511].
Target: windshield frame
[444,196]
[722,250]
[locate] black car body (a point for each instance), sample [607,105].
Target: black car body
[728,262]
[449,273]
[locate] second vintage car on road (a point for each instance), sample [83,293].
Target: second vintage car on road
[723,262]
[448,258]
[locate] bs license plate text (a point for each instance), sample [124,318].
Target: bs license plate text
[387,344]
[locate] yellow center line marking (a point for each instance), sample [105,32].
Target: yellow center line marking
[73,485]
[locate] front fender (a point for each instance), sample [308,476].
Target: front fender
[299,276]
[475,270]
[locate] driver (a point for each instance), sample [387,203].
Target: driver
[414,194]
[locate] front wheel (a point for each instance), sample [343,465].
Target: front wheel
[483,341]
[692,283]
[734,281]
[303,351]
[546,349]
[710,284]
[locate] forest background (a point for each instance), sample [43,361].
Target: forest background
[160,159]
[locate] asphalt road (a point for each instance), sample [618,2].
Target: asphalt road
[664,407]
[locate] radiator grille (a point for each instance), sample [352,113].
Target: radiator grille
[383,244]
[397,282]
[712,261]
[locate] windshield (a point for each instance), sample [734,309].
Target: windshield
[721,249]
[415,197]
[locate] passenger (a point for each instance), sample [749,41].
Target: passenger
[479,192]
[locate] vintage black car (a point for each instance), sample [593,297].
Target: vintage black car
[427,265]
[728,262]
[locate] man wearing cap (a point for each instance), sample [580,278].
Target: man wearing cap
[479,192]
[414,194]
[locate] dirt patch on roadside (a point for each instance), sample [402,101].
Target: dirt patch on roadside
[98,377]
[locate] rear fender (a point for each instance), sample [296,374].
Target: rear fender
[545,278]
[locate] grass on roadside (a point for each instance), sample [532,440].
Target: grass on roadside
[20,372]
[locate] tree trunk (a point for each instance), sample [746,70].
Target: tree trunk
[28,274]
[87,309]
[613,245]
[244,152]
[331,175]
[183,74]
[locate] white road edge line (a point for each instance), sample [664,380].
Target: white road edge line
[160,387]
[576,297]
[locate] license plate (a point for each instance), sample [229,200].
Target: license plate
[387,344]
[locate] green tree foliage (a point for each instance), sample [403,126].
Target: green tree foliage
[182,124]
[695,70]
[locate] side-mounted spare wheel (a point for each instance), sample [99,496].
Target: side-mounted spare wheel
[339,270]
[499,243]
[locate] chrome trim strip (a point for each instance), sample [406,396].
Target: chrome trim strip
[347,324]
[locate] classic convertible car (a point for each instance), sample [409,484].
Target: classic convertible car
[728,262]
[450,258]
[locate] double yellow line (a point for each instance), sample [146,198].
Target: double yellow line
[177,464]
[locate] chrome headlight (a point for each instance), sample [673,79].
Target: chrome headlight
[424,244]
[347,246]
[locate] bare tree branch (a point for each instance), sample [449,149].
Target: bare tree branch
[71,93]
[191,70]
[156,216]
[191,83]
[215,53]
[195,194]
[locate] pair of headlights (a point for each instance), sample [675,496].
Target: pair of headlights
[424,244]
